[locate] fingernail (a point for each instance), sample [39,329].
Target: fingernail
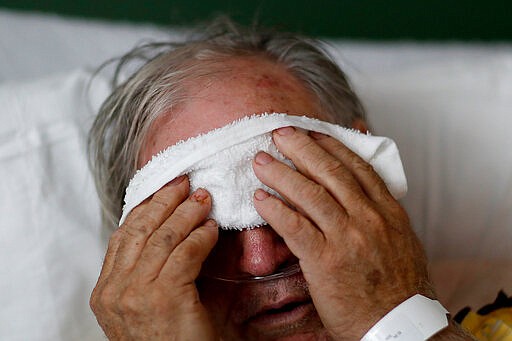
[210,223]
[317,135]
[285,131]
[199,195]
[261,195]
[177,180]
[263,158]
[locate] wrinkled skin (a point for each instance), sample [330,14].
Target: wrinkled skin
[354,243]
[353,239]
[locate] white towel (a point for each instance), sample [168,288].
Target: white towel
[220,162]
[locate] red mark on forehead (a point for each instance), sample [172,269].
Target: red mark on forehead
[266,81]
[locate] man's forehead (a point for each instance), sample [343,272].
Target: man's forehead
[227,96]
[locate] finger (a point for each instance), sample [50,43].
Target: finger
[308,196]
[108,262]
[370,181]
[184,264]
[173,231]
[303,239]
[141,224]
[320,166]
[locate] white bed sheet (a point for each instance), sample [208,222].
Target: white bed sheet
[51,241]
[448,106]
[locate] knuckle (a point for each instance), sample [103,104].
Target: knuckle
[159,201]
[189,212]
[116,236]
[295,224]
[115,239]
[329,167]
[192,248]
[364,167]
[181,261]
[102,298]
[148,223]
[130,301]
[381,188]
[360,243]
[164,238]
[383,191]
[315,193]
[181,215]
[169,196]
[157,297]
[143,227]
[308,143]
[375,219]
[94,302]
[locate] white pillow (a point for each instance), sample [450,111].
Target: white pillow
[50,235]
[451,122]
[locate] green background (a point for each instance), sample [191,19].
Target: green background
[356,19]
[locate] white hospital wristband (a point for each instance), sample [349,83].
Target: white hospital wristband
[415,319]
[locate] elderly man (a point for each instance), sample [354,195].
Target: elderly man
[170,274]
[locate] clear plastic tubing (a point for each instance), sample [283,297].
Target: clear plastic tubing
[286,272]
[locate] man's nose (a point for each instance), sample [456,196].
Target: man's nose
[263,251]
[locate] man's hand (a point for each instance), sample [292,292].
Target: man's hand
[146,288]
[354,241]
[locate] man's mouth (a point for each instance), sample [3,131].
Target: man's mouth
[267,310]
[287,312]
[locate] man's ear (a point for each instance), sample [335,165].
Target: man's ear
[360,125]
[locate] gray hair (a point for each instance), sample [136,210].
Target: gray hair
[158,87]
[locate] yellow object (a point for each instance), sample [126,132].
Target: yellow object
[495,326]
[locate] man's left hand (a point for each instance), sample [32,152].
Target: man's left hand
[356,248]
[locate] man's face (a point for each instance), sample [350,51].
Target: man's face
[278,309]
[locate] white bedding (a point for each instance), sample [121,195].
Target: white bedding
[448,107]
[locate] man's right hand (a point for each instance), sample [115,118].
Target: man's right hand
[146,288]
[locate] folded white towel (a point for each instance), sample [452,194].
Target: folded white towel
[220,161]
